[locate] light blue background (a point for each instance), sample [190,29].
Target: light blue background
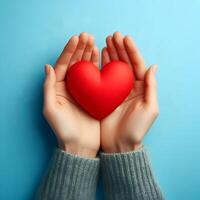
[33,33]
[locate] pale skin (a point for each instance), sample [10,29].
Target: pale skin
[123,130]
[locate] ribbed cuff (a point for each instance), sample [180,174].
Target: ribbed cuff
[70,177]
[129,176]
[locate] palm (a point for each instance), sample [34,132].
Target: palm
[124,119]
[75,129]
[75,118]
[131,120]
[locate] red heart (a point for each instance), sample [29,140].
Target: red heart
[99,92]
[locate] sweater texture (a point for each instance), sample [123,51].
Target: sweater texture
[70,177]
[126,176]
[129,176]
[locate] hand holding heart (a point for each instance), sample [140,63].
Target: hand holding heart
[122,127]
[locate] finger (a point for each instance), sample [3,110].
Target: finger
[83,38]
[111,48]
[105,56]
[49,86]
[64,59]
[119,46]
[95,56]
[151,86]
[135,58]
[88,50]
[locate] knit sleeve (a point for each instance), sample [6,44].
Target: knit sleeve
[129,176]
[69,177]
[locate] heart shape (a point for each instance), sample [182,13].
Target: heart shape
[99,92]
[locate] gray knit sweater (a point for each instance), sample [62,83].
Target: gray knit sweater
[127,176]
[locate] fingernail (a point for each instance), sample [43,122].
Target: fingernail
[154,69]
[47,69]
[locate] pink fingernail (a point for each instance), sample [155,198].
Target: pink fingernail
[47,69]
[154,69]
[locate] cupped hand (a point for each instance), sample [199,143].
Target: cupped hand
[77,132]
[124,129]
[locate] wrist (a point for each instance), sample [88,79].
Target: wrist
[127,148]
[122,148]
[78,150]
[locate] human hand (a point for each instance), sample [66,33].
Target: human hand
[76,131]
[124,129]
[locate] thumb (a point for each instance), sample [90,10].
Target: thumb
[49,86]
[151,85]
